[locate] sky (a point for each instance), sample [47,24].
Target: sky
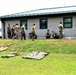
[16,6]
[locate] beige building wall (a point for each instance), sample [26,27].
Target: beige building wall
[71,32]
[11,22]
[53,23]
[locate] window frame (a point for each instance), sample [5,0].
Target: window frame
[46,23]
[26,26]
[67,22]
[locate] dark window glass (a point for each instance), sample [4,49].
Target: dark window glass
[43,23]
[23,22]
[67,22]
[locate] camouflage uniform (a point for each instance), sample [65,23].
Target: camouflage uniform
[33,32]
[61,31]
[23,35]
[9,32]
[16,33]
[13,31]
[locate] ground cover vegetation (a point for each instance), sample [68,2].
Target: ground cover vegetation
[60,61]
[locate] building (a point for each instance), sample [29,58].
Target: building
[48,18]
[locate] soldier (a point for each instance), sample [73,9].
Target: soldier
[48,34]
[23,34]
[16,32]
[9,31]
[33,32]
[55,35]
[13,31]
[61,30]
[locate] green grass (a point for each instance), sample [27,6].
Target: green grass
[60,61]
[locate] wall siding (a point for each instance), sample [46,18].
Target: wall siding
[53,23]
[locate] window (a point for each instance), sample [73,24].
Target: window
[43,23]
[23,22]
[67,22]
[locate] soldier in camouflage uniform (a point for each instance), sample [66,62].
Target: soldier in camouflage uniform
[23,34]
[33,31]
[13,31]
[61,30]
[9,31]
[16,32]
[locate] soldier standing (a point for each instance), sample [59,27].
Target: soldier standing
[13,31]
[33,31]
[9,31]
[16,32]
[61,30]
[23,34]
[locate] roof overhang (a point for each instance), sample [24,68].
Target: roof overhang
[43,12]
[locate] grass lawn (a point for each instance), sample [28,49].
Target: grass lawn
[60,61]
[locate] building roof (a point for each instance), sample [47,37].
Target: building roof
[46,11]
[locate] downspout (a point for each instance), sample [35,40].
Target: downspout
[0,29]
[3,29]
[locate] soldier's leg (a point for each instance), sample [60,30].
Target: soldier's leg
[33,37]
[24,35]
[21,36]
[8,35]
